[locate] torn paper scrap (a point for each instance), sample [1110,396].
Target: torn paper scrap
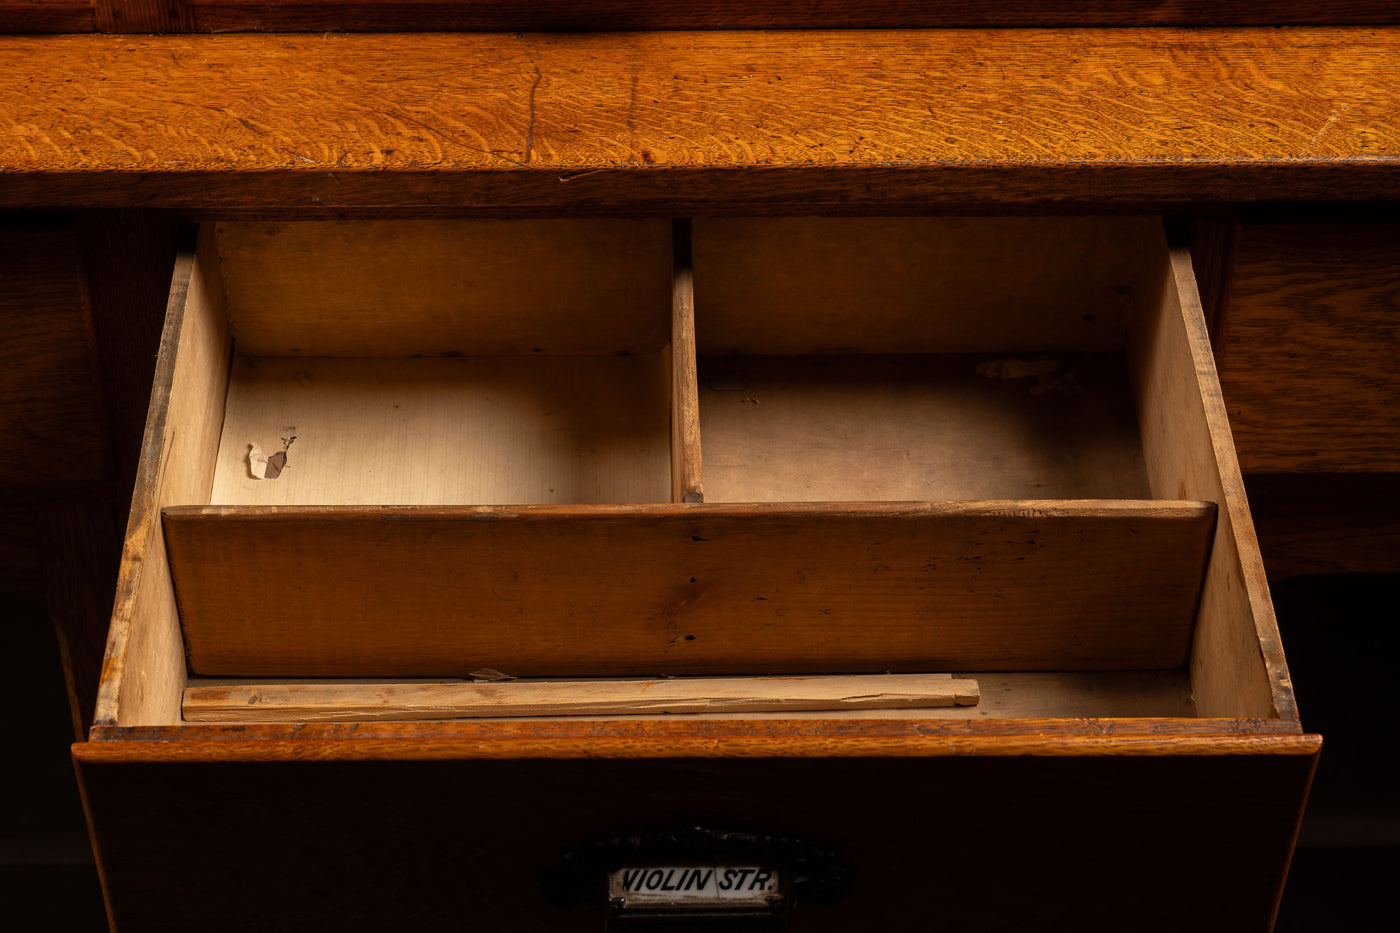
[268,466]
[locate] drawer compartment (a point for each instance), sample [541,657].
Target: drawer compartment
[443,363]
[931,358]
[498,497]
[484,430]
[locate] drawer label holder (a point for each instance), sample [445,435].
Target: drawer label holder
[667,880]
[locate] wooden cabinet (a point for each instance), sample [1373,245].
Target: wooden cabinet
[768,450]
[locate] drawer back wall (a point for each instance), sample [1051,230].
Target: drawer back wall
[447,288]
[918,284]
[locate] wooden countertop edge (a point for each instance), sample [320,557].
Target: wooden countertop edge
[919,186]
[802,120]
[118,16]
[660,740]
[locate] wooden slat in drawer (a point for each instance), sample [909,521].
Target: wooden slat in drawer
[1308,362]
[688,589]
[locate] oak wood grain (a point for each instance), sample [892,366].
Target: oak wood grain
[656,122]
[546,591]
[1309,365]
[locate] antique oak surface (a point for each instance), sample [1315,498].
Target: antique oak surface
[737,122]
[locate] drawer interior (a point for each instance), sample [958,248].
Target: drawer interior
[608,448]
[484,430]
[920,358]
[903,427]
[439,364]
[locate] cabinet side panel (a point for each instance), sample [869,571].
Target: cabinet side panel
[51,414]
[1308,364]
[1237,662]
[144,671]
[992,844]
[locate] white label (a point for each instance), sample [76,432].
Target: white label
[694,886]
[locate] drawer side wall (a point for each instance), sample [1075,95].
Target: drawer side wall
[143,674]
[1237,662]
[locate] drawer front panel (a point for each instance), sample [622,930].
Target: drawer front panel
[1144,843]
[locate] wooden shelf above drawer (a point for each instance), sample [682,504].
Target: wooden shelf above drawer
[683,123]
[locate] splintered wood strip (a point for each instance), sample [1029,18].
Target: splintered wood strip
[365,702]
[1126,696]
[324,124]
[686,484]
[549,591]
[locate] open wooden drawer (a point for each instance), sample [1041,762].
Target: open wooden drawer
[590,448]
